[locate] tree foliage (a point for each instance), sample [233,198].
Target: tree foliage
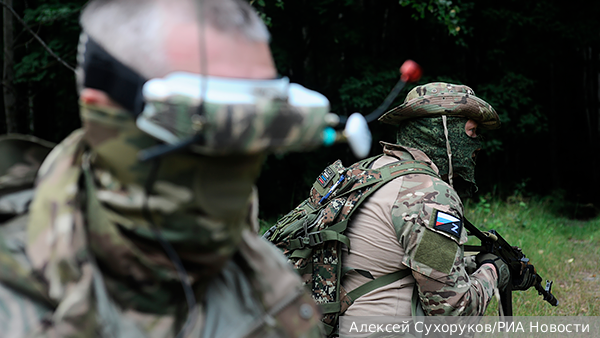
[537,63]
[46,96]
[452,14]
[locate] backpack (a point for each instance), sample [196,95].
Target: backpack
[312,234]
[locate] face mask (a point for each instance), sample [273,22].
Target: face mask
[206,200]
[427,134]
[464,151]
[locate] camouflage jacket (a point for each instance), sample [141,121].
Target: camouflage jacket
[426,218]
[54,281]
[20,158]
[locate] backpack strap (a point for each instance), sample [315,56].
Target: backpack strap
[333,232]
[336,307]
[377,283]
[390,172]
[315,238]
[369,286]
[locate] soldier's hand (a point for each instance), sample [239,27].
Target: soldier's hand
[527,278]
[502,268]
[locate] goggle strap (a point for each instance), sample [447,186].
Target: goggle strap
[121,83]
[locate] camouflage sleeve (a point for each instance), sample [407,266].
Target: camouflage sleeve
[427,217]
[19,315]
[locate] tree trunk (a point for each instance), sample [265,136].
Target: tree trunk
[10,100]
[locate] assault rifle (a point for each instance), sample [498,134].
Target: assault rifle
[493,243]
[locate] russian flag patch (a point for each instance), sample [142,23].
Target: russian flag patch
[325,177]
[447,223]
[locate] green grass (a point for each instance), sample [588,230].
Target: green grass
[563,250]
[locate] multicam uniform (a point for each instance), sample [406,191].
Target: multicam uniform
[396,229]
[88,263]
[21,158]
[415,221]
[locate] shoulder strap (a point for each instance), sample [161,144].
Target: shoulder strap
[390,172]
[377,283]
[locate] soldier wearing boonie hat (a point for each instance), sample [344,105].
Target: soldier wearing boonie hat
[416,221]
[439,98]
[452,104]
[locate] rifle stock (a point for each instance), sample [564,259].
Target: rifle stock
[492,242]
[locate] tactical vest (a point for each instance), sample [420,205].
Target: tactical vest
[312,234]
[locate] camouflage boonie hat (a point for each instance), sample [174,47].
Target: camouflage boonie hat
[440,98]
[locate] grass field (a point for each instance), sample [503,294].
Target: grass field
[563,250]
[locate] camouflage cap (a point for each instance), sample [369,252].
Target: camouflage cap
[440,98]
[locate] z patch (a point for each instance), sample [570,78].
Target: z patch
[447,223]
[325,177]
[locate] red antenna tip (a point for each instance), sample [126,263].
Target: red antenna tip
[411,71]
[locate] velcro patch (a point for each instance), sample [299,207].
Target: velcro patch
[436,251]
[325,177]
[447,223]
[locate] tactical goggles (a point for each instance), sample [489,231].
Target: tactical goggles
[228,115]
[219,116]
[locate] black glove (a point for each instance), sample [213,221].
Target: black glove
[502,268]
[527,278]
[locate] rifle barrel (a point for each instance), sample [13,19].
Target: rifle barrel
[546,292]
[494,243]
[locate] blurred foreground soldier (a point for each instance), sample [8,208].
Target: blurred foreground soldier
[115,246]
[395,221]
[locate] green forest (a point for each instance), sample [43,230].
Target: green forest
[536,62]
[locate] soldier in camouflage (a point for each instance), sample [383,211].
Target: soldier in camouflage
[107,245]
[416,221]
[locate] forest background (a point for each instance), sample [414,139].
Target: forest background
[536,62]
